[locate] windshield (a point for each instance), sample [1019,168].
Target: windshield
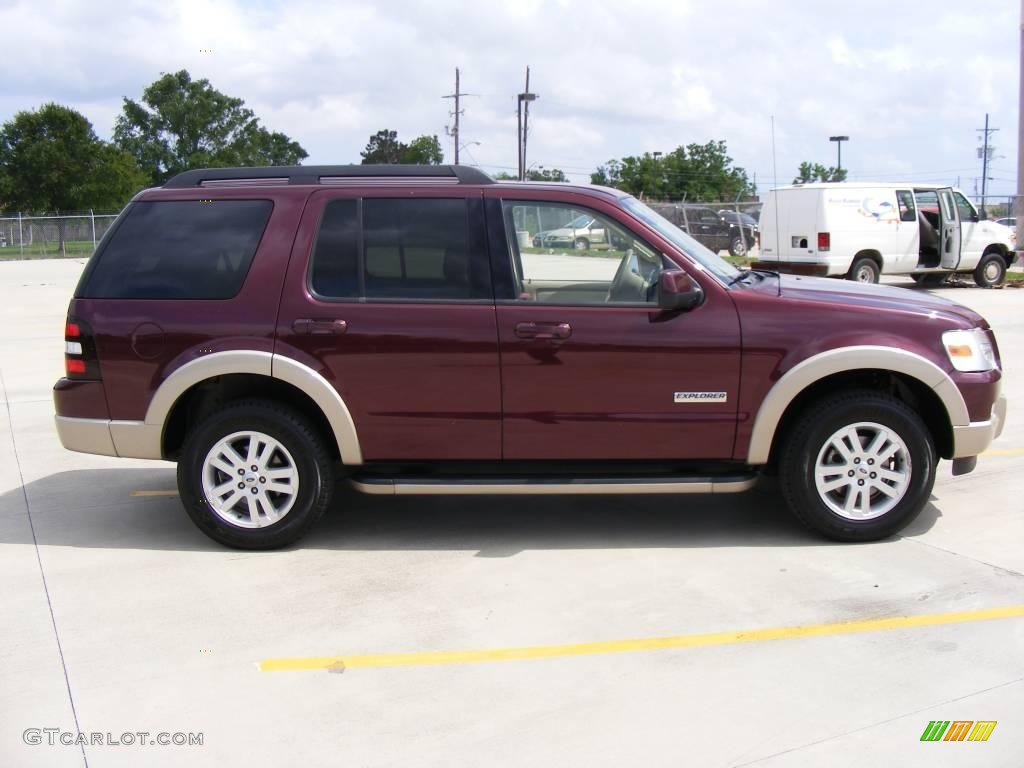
[712,262]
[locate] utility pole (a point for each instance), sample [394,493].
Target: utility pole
[985,151]
[454,132]
[523,116]
[1018,204]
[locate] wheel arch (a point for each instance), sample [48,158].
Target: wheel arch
[246,373]
[868,253]
[911,376]
[1001,249]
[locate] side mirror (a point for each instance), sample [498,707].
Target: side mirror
[678,292]
[974,217]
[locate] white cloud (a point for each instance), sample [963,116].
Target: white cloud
[614,78]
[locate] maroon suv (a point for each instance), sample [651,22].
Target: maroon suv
[272,329]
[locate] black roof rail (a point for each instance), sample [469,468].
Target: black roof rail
[311,174]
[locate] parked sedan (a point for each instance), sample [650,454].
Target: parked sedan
[581,233]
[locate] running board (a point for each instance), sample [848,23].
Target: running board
[420,486]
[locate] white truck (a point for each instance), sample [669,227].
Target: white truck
[863,230]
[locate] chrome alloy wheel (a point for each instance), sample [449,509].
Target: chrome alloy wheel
[992,270]
[250,480]
[862,471]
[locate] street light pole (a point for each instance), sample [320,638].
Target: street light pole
[839,149]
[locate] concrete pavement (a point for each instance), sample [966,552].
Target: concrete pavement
[119,614]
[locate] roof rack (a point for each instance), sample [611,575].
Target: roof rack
[317,174]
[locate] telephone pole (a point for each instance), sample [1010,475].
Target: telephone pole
[522,118]
[454,131]
[985,151]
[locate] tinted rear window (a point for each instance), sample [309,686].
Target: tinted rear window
[411,249]
[180,250]
[416,249]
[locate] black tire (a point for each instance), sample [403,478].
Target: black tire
[581,244]
[864,270]
[738,247]
[307,448]
[991,271]
[931,279]
[809,437]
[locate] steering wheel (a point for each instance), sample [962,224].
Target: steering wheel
[628,285]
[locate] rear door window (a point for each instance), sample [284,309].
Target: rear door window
[406,249]
[180,249]
[905,201]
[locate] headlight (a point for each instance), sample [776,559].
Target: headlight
[969,351]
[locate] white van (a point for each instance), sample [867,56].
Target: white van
[861,230]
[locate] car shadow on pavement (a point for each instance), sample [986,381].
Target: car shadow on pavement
[97,508]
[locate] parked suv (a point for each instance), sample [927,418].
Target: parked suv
[272,330]
[715,230]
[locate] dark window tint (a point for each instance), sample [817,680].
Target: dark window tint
[336,255]
[416,249]
[180,250]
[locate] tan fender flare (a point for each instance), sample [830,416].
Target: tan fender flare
[144,439]
[839,360]
[328,400]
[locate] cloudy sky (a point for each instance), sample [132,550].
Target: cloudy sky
[909,82]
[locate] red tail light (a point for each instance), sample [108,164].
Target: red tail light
[80,360]
[824,241]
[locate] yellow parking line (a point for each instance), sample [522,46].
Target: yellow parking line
[643,644]
[154,493]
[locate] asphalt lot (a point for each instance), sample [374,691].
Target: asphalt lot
[118,616]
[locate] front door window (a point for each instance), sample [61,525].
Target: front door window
[564,255]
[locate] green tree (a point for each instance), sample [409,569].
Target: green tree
[423,150]
[698,171]
[183,123]
[546,174]
[52,160]
[384,148]
[539,173]
[811,172]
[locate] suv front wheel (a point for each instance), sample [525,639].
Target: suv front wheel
[858,466]
[255,475]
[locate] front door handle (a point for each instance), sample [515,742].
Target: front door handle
[543,330]
[319,327]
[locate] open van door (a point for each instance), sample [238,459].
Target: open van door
[949,246]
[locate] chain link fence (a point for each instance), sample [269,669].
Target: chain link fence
[50,237]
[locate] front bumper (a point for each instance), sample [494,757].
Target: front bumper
[974,438]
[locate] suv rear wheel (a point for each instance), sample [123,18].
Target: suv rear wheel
[255,475]
[738,246]
[858,466]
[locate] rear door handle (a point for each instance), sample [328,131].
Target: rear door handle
[319,327]
[543,330]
